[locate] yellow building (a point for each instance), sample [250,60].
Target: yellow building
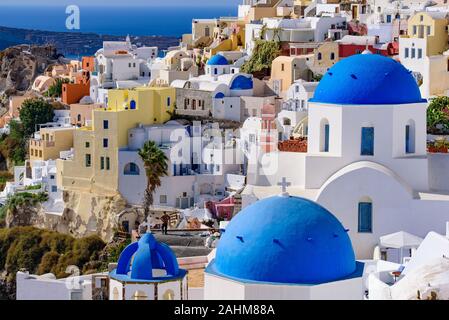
[286,69]
[431,26]
[228,35]
[94,167]
[324,57]
[49,142]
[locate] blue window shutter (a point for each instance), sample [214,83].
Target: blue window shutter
[326,138]
[365,217]
[367,148]
[408,141]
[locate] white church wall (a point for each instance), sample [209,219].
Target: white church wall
[228,289]
[349,289]
[318,114]
[170,290]
[284,164]
[414,115]
[235,290]
[345,141]
[115,290]
[132,288]
[394,206]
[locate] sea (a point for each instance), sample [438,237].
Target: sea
[149,20]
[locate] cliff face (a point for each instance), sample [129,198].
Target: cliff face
[20,65]
[84,214]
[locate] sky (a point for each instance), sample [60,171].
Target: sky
[121,2]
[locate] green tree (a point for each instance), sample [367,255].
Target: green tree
[13,146]
[33,112]
[155,163]
[438,115]
[55,90]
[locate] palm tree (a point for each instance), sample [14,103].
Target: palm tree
[155,163]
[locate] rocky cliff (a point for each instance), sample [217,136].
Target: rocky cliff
[20,65]
[84,214]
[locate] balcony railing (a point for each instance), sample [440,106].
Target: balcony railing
[42,143]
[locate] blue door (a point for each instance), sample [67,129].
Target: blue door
[365,217]
[367,148]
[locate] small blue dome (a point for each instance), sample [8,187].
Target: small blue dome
[285,240]
[137,261]
[242,83]
[217,60]
[367,79]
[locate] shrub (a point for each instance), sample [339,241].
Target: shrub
[438,115]
[42,251]
[264,54]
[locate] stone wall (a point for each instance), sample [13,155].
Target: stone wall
[197,95]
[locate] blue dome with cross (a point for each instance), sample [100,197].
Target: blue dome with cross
[138,260]
[367,79]
[285,239]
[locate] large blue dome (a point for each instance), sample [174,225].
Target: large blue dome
[285,240]
[367,79]
[217,60]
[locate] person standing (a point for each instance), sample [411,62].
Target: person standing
[165,220]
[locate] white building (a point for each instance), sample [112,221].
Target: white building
[309,29]
[199,164]
[426,273]
[294,109]
[218,91]
[119,64]
[366,159]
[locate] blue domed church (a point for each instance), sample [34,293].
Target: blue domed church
[147,270]
[366,159]
[284,247]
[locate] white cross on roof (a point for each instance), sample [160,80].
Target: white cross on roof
[284,184]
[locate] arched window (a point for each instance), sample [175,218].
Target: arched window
[367,145]
[332,56]
[324,135]
[410,137]
[365,215]
[168,295]
[287,122]
[140,295]
[78,118]
[132,104]
[115,294]
[131,169]
[319,56]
